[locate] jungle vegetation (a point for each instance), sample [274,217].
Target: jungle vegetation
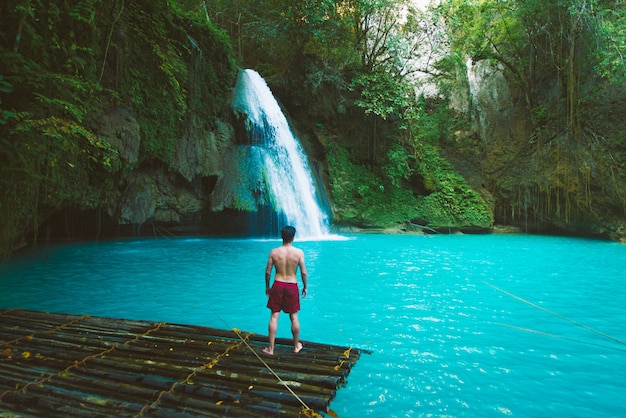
[64,63]
[352,71]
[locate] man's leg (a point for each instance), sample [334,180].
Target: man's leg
[295,331]
[272,329]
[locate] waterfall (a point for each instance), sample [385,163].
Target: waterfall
[291,189]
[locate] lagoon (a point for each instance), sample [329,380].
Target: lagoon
[457,325]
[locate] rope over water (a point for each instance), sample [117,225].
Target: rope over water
[550,312]
[555,314]
[547,334]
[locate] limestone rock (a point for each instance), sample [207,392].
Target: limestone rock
[120,129]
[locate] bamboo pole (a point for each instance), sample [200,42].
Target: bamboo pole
[109,392]
[248,380]
[172,371]
[70,403]
[200,406]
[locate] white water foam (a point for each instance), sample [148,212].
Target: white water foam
[287,172]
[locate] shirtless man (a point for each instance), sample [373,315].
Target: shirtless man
[283,295]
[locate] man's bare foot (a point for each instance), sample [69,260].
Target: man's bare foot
[267,351]
[298,348]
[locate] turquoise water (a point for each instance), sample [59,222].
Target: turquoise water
[458,325]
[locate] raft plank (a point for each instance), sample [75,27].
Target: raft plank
[55,364]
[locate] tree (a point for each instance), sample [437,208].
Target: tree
[611,51]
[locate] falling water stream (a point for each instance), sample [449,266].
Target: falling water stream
[286,171]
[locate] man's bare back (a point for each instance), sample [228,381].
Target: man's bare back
[286,259]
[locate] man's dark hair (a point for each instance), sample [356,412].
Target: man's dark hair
[288,233]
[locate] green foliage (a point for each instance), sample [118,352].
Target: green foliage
[175,64]
[382,95]
[452,202]
[317,40]
[364,199]
[5,87]
[494,30]
[368,200]
[612,41]
[50,155]
[85,10]
[398,166]
[537,40]
[62,64]
[5,115]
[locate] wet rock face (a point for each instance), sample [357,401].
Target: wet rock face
[173,195]
[238,186]
[121,130]
[152,196]
[492,99]
[209,180]
[536,173]
[199,152]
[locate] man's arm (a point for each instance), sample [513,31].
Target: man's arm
[268,273]
[303,274]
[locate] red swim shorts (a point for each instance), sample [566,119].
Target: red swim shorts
[284,297]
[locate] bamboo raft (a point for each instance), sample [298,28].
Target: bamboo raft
[59,365]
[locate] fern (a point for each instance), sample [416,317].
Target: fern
[63,105]
[85,11]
